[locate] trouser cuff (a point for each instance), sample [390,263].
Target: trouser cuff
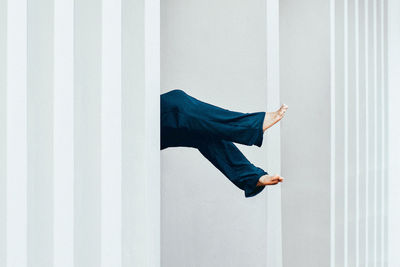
[251,189]
[259,130]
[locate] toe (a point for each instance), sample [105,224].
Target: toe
[283,109]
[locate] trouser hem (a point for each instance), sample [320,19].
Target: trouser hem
[251,189]
[259,131]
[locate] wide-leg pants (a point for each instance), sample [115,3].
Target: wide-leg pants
[189,122]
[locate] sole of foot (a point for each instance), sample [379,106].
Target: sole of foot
[271,118]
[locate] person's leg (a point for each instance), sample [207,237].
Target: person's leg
[227,158]
[183,112]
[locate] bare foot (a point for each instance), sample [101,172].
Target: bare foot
[269,180]
[273,117]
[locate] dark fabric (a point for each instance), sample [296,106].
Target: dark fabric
[189,122]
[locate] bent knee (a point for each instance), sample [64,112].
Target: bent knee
[177,93]
[174,100]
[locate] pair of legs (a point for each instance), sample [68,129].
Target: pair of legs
[189,122]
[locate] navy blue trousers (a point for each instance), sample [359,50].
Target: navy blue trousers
[189,122]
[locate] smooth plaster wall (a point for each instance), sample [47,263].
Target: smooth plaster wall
[215,51]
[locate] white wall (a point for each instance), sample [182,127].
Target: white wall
[217,52]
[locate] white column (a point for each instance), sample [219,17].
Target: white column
[383,129]
[40,132]
[63,133]
[272,139]
[362,209]
[111,135]
[387,128]
[140,133]
[87,132]
[353,134]
[133,135]
[341,131]
[152,128]
[375,134]
[368,166]
[16,216]
[306,71]
[3,131]
[394,131]
[370,255]
[379,138]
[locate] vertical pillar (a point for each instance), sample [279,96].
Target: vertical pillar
[111,134]
[3,131]
[16,167]
[273,195]
[353,133]
[152,128]
[387,130]
[393,187]
[379,138]
[382,118]
[40,132]
[133,135]
[63,108]
[306,72]
[140,133]
[87,136]
[341,130]
[370,108]
[362,124]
